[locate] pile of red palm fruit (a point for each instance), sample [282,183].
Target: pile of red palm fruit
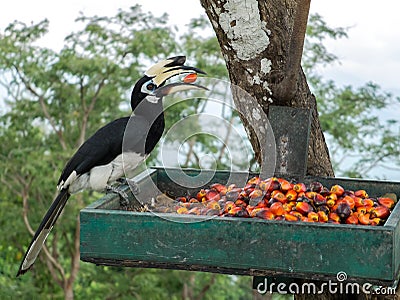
[278,199]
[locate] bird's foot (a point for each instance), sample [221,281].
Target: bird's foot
[123,197]
[131,183]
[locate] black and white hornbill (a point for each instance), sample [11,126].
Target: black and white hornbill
[116,148]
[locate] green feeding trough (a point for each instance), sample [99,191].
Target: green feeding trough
[243,246]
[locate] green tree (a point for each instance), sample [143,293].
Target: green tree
[360,137]
[55,100]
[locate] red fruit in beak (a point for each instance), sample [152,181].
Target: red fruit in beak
[190,78]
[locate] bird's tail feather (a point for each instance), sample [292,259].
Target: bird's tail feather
[43,231]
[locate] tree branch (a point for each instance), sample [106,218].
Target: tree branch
[87,112]
[43,106]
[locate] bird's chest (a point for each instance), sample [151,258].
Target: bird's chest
[99,177]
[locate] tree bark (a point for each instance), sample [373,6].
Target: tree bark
[262,44]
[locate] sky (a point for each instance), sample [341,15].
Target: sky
[370,53]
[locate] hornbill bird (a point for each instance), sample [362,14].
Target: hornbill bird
[116,148]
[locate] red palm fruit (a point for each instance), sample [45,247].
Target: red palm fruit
[358,201]
[241,203]
[228,206]
[350,201]
[313,216]
[316,187]
[264,185]
[182,210]
[279,218]
[201,195]
[219,187]
[361,193]
[361,210]
[254,210]
[256,193]
[254,180]
[212,212]
[352,219]
[331,199]
[301,194]
[212,204]
[303,208]
[262,204]
[212,195]
[376,221]
[380,212]
[319,200]
[277,209]
[232,195]
[368,202]
[291,217]
[307,220]
[300,187]
[288,206]
[311,195]
[190,78]
[248,188]
[334,217]
[278,195]
[343,210]
[285,185]
[299,215]
[274,185]
[265,214]
[337,190]
[181,199]
[323,218]
[291,195]
[364,219]
[193,200]
[388,202]
[194,211]
[232,186]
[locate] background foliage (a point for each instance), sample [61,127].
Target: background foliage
[54,100]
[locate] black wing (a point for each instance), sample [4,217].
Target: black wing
[106,144]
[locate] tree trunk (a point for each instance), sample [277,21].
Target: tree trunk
[262,44]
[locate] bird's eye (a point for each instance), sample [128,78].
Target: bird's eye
[150,86]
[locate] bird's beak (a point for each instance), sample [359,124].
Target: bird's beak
[177,87]
[164,70]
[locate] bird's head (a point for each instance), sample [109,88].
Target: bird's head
[151,87]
